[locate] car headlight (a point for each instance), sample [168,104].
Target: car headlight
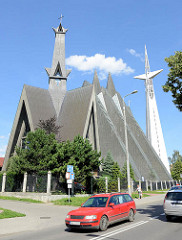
[68,216]
[91,217]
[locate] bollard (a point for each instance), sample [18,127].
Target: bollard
[119,189]
[156,185]
[106,182]
[3,182]
[49,182]
[25,182]
[161,186]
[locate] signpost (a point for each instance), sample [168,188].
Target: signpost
[70,178]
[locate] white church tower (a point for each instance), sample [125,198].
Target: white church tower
[153,125]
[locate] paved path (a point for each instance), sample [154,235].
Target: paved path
[40,216]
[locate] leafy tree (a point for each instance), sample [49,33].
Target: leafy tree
[108,164]
[42,153]
[176,156]
[174,82]
[80,154]
[176,170]
[49,125]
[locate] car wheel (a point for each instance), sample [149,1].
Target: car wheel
[103,223]
[131,216]
[168,217]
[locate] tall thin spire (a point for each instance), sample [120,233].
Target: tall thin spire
[110,86]
[153,125]
[58,73]
[96,83]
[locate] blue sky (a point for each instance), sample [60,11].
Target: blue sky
[108,35]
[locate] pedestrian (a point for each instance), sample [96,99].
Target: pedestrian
[139,190]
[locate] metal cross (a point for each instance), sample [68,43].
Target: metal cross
[61,18]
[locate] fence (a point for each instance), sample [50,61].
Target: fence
[50,183]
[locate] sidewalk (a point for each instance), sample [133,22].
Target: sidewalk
[40,216]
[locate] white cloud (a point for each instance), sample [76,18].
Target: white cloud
[138,55]
[2,137]
[100,62]
[3,150]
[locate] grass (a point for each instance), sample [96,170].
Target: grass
[135,195]
[74,201]
[10,214]
[77,201]
[156,192]
[20,199]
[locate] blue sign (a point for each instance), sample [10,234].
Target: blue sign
[72,176]
[70,168]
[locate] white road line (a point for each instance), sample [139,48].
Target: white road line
[154,217]
[119,230]
[162,214]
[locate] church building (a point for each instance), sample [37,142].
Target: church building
[91,111]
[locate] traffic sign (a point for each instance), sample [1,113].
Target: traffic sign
[69,185]
[72,176]
[70,168]
[68,175]
[70,181]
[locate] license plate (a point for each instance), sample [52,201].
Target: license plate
[75,223]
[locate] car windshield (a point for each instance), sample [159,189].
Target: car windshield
[96,202]
[174,196]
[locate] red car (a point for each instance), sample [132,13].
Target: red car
[101,210]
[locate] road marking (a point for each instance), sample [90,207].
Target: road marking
[162,214]
[154,217]
[119,230]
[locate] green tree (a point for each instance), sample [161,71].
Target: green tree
[124,172]
[174,82]
[80,154]
[176,170]
[50,126]
[108,164]
[42,153]
[38,154]
[116,171]
[176,156]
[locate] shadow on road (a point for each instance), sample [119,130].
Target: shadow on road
[157,211]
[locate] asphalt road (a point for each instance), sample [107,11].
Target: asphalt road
[150,223]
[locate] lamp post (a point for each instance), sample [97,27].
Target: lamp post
[126,143]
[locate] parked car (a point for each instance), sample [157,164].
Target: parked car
[173,203]
[176,187]
[101,210]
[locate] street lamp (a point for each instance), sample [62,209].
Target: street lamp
[126,143]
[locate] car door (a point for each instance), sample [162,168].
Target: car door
[114,210]
[128,203]
[123,204]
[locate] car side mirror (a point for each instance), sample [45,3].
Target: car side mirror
[111,204]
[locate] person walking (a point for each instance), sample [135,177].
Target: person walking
[139,190]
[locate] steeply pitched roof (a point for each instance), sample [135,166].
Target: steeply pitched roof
[96,83]
[39,103]
[86,83]
[73,115]
[110,86]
